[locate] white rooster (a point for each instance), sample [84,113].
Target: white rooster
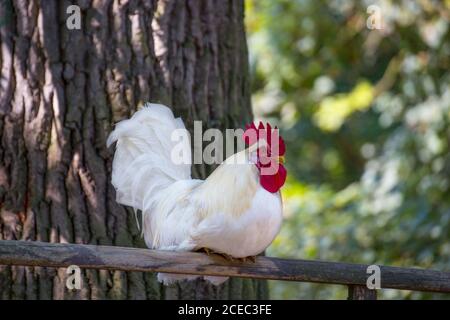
[236,211]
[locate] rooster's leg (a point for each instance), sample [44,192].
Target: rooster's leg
[225,256]
[249,258]
[210,251]
[205,250]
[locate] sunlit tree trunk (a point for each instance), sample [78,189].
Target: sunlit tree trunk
[62,90]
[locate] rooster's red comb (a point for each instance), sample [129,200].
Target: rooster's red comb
[252,134]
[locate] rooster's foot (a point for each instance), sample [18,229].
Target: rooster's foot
[249,258]
[225,256]
[205,250]
[210,252]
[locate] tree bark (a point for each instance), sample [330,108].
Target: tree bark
[62,90]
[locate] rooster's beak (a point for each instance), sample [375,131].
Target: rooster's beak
[281,159]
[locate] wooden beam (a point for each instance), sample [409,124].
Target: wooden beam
[31,253]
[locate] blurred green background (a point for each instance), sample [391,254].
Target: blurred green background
[365,114]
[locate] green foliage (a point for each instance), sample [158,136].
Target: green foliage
[366,117]
[334,110]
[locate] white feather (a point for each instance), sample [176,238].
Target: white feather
[229,212]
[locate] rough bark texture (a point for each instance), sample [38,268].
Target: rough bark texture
[60,93]
[357,292]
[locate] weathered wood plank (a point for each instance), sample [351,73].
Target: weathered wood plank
[30,253]
[361,293]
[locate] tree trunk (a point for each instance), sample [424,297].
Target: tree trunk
[62,90]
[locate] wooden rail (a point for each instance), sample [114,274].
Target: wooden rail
[31,253]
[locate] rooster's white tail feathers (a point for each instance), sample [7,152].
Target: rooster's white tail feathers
[142,161]
[143,166]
